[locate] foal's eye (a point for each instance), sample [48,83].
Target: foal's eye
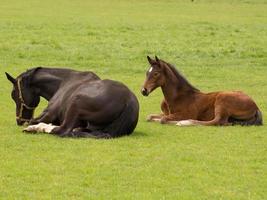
[155,74]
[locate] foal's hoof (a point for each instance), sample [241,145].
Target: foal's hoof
[149,118]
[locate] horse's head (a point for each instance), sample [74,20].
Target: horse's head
[25,97]
[154,76]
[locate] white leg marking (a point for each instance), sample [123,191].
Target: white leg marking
[41,127]
[185,123]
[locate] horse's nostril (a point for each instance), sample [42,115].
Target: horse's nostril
[144,92]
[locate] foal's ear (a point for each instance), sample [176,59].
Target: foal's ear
[157,59]
[10,78]
[150,60]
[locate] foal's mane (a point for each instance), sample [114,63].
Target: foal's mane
[179,76]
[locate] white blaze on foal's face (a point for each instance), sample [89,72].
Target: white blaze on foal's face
[150,70]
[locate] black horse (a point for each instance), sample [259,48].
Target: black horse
[80,103]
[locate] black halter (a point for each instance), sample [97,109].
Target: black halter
[22,104]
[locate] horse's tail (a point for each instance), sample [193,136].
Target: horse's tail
[257,120]
[123,125]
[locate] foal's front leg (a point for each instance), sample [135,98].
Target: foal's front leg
[169,119]
[174,118]
[165,111]
[154,117]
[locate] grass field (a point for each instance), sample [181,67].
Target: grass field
[217,45]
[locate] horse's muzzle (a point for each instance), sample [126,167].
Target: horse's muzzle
[144,92]
[20,122]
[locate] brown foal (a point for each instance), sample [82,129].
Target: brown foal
[184,105]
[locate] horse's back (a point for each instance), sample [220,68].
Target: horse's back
[103,90]
[102,101]
[236,99]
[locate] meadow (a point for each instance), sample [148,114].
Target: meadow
[217,45]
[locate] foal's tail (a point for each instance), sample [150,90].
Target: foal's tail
[123,125]
[257,120]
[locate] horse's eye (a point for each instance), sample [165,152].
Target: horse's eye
[155,74]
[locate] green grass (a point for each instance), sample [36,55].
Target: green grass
[217,45]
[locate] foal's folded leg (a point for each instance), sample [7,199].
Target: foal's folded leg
[220,118]
[154,117]
[170,119]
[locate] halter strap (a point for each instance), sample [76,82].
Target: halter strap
[22,104]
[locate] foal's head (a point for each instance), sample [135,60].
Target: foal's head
[155,76]
[160,73]
[24,95]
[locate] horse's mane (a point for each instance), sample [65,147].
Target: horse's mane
[29,72]
[180,76]
[27,75]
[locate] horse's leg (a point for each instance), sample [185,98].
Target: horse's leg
[164,107]
[37,120]
[220,118]
[156,117]
[70,122]
[45,117]
[41,127]
[48,115]
[226,106]
[43,123]
[171,118]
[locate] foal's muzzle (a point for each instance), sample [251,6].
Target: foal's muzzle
[144,92]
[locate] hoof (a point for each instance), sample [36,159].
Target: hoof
[149,118]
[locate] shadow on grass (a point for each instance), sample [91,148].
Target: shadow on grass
[138,134]
[135,134]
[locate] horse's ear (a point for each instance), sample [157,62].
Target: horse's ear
[10,78]
[150,60]
[157,59]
